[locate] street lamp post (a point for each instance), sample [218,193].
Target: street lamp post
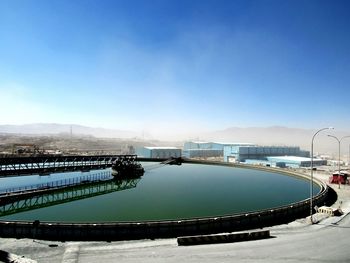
[339,140]
[312,171]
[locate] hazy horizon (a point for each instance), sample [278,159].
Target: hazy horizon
[273,135]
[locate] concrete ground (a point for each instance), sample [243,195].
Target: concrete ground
[299,241]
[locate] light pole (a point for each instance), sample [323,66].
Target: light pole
[312,170]
[338,154]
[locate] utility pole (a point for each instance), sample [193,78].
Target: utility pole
[312,171]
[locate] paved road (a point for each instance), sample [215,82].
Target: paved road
[327,241]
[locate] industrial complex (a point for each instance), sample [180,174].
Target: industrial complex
[274,156]
[287,161]
[207,149]
[239,153]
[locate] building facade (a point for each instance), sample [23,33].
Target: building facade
[195,149]
[233,153]
[296,161]
[158,152]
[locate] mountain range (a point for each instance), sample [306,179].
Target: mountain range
[275,135]
[74,129]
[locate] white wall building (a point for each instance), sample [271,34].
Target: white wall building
[158,152]
[241,153]
[295,161]
[193,149]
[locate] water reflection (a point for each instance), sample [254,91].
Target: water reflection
[66,194]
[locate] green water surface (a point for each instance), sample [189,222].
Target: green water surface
[178,192]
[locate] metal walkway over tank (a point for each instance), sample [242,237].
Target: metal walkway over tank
[49,164]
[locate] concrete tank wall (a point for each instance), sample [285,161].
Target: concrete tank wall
[164,229]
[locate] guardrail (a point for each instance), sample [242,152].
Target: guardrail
[163,229]
[16,166]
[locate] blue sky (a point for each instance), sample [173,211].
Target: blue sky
[175,66]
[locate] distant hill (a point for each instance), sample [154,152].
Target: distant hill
[54,128]
[275,135]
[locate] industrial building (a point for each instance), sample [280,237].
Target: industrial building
[203,145]
[234,153]
[158,152]
[295,161]
[287,161]
[277,156]
[199,149]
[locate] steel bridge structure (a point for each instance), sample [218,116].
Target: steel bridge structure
[49,163]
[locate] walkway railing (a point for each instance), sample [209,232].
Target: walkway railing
[48,164]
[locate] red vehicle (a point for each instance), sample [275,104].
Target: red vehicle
[339,179]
